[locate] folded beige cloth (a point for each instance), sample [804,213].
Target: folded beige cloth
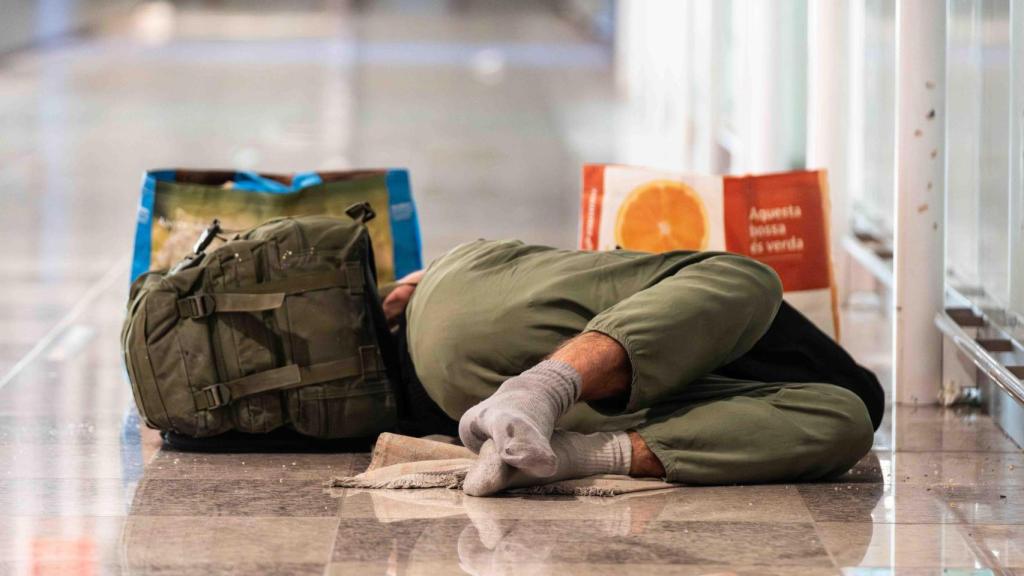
[401,462]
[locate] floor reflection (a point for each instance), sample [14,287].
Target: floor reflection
[528,534]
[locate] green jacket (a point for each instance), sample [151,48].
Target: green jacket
[488,310]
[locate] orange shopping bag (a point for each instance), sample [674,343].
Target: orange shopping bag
[779,219]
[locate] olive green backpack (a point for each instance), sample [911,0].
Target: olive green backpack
[279,326]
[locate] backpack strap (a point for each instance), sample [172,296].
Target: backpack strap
[270,295]
[202,305]
[290,376]
[339,278]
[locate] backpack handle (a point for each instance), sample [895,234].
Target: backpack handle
[361,212]
[210,233]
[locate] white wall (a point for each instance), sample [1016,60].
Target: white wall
[25,22]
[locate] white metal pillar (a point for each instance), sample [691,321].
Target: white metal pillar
[919,198]
[828,110]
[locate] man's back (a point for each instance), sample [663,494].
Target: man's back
[487,310]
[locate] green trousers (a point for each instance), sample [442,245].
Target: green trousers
[487,311]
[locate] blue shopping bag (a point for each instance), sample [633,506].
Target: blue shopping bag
[177,205]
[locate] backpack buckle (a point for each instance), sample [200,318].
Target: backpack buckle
[215,396]
[369,360]
[198,306]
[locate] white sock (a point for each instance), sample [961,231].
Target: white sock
[520,417]
[578,456]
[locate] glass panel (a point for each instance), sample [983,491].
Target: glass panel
[963,105]
[764,127]
[727,64]
[977,149]
[874,185]
[792,85]
[993,153]
[1017,164]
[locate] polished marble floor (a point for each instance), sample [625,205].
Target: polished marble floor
[493,109]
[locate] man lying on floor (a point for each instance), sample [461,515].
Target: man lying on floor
[687,366]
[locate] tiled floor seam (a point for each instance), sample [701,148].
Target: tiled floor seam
[831,556]
[94,291]
[1019,450]
[334,541]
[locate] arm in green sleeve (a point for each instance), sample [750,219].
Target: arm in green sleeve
[712,310]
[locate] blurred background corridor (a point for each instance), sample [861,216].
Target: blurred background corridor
[494,107]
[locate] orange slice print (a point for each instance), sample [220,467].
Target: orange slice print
[662,215]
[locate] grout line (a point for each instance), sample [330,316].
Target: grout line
[334,541]
[940,451]
[91,294]
[824,545]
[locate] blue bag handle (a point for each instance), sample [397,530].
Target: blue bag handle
[256,183]
[305,180]
[247,180]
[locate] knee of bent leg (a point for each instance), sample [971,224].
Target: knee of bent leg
[846,432]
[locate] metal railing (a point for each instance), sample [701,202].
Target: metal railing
[982,356]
